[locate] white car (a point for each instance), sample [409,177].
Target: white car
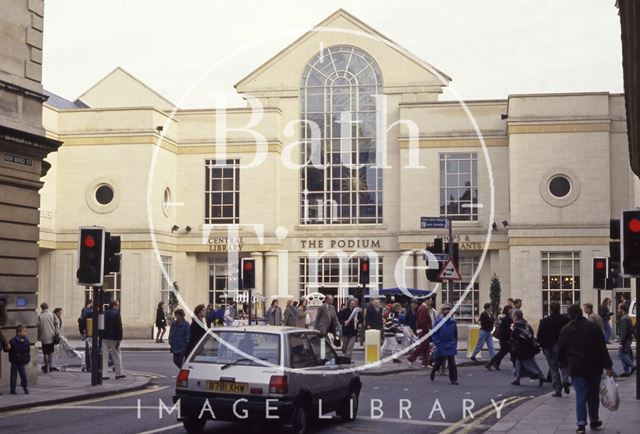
[285,375]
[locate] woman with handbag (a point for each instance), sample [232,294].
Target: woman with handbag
[525,347]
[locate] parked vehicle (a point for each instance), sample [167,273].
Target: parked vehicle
[226,377]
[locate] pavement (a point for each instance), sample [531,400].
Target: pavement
[69,386]
[549,415]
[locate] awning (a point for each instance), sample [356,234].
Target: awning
[418,293]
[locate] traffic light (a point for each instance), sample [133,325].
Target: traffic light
[630,243]
[363,271]
[432,273]
[248,273]
[90,256]
[600,269]
[111,253]
[456,252]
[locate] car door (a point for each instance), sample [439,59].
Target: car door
[334,385]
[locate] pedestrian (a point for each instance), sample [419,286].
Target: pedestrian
[487,322]
[391,328]
[327,318]
[289,317]
[350,318]
[510,301]
[58,313]
[373,315]
[548,335]
[197,329]
[111,339]
[504,337]
[425,317]
[626,338]
[209,314]
[587,308]
[161,323]
[86,313]
[606,314]
[179,338]
[524,347]
[410,317]
[581,347]
[4,345]
[517,304]
[302,316]
[19,357]
[445,338]
[274,314]
[229,314]
[47,325]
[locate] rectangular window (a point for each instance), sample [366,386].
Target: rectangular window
[459,186]
[560,279]
[223,280]
[222,192]
[165,289]
[469,308]
[325,276]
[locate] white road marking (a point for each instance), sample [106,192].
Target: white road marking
[166,428]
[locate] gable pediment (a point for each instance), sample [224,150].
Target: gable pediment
[400,69]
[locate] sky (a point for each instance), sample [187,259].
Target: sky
[490,48]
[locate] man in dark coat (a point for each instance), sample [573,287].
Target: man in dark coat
[327,318]
[581,346]
[111,339]
[548,335]
[350,317]
[423,326]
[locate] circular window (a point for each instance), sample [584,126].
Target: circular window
[560,186]
[104,194]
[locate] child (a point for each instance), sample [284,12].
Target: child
[19,357]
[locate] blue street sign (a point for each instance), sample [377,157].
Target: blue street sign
[440,257]
[434,223]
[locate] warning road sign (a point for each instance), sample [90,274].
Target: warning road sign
[449,272]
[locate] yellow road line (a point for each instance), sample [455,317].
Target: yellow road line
[477,423]
[462,424]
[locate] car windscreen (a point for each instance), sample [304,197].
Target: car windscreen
[224,349]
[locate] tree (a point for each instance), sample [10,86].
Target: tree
[494,294]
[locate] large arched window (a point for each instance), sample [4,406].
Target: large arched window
[341,183]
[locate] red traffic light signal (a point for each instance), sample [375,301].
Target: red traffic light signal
[600,273]
[630,246]
[89,241]
[248,273]
[363,275]
[91,247]
[634,225]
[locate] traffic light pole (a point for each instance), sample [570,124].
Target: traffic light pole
[250,312]
[451,246]
[637,337]
[96,371]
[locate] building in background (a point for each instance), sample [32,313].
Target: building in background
[23,146]
[557,163]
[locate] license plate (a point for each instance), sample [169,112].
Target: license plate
[228,387]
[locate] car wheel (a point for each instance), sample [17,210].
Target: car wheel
[350,402]
[300,419]
[194,426]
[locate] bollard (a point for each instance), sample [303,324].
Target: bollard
[472,339]
[89,327]
[372,346]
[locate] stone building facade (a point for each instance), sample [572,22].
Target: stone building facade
[23,146]
[531,206]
